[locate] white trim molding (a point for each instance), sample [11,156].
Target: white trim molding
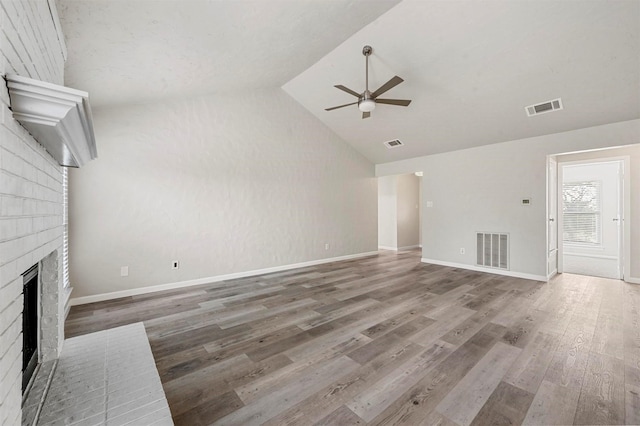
[399,248]
[408,247]
[625,254]
[209,280]
[632,280]
[58,117]
[487,270]
[591,255]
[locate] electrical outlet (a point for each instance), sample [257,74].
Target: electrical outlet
[462,251]
[124,271]
[326,246]
[175,265]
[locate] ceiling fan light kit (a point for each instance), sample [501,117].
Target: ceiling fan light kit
[366,100]
[367,105]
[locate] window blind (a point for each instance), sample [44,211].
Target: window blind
[581,210]
[65,232]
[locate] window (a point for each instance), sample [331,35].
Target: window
[581,212]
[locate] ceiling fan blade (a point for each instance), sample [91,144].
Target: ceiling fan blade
[401,102]
[366,115]
[346,89]
[340,106]
[387,86]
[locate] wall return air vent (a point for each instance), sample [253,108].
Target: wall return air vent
[393,144]
[492,250]
[544,107]
[58,117]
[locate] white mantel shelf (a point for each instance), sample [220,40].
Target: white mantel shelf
[58,117]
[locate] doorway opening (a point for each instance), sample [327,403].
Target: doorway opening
[589,212]
[399,218]
[591,206]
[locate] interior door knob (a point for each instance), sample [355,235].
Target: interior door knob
[615,219]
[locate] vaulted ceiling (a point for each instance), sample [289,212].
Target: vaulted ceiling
[470,67]
[131,51]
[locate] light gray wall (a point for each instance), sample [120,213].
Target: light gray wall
[480,189]
[634,158]
[388,212]
[408,210]
[223,184]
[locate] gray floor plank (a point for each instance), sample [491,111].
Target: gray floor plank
[602,396]
[387,339]
[465,401]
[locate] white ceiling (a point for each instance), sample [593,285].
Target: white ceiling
[469,66]
[131,51]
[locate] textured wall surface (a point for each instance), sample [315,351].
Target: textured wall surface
[30,193]
[480,189]
[222,184]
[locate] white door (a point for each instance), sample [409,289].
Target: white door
[591,220]
[552,211]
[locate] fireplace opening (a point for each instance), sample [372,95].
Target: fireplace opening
[29,325]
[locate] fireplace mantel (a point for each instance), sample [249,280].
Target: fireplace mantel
[58,117]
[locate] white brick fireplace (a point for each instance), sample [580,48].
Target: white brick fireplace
[31,198]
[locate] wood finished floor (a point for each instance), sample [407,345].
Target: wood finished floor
[388,340]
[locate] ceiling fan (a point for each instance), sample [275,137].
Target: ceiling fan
[367,100]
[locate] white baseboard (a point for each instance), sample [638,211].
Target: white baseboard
[409,247]
[66,292]
[552,274]
[399,248]
[488,270]
[207,280]
[632,280]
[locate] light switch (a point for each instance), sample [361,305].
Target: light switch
[429,203]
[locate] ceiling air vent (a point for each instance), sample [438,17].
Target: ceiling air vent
[548,106]
[393,144]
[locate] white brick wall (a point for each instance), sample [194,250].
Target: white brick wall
[118,366]
[30,194]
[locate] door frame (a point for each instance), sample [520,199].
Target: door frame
[624,239]
[551,216]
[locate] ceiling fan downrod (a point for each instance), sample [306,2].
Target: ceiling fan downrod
[366,51]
